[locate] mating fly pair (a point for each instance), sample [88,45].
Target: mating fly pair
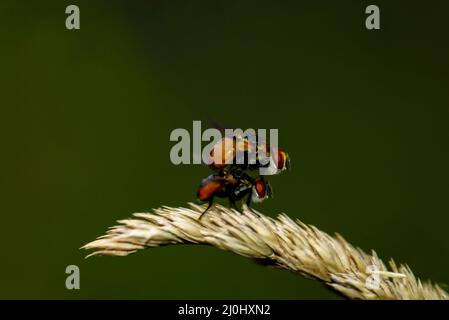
[229,158]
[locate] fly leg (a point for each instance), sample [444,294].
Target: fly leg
[248,202]
[211,201]
[232,203]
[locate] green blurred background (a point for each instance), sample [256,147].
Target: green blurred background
[86,117]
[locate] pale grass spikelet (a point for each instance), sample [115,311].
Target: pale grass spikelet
[281,242]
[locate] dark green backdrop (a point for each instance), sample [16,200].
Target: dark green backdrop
[86,117]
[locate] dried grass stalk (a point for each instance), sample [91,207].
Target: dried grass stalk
[281,242]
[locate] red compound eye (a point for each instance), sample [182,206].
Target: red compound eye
[281,160]
[261,188]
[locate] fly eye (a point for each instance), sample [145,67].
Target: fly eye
[281,157]
[260,189]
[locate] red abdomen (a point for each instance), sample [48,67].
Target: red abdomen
[209,188]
